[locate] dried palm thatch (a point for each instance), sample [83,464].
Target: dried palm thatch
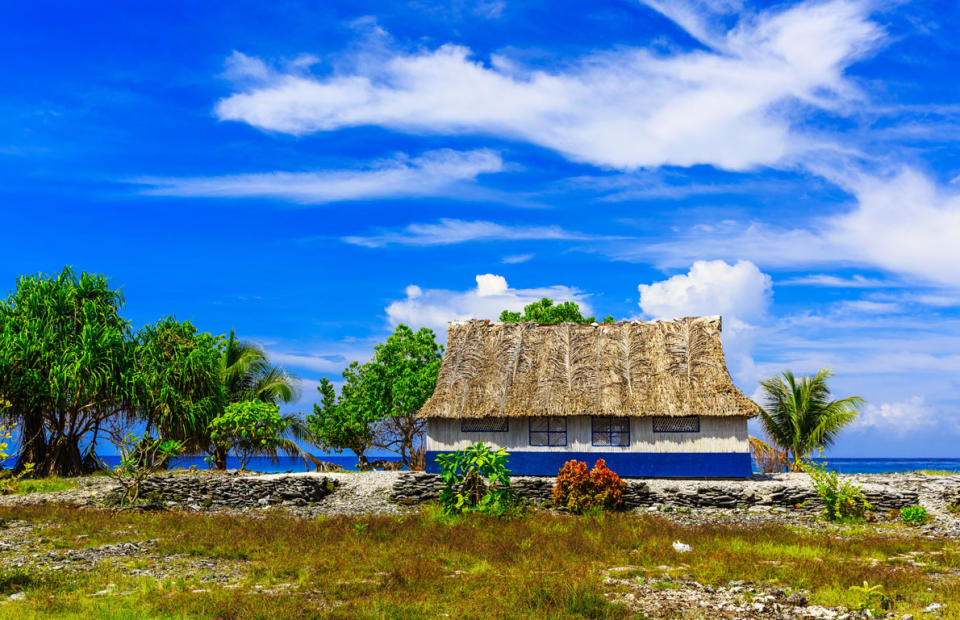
[631,368]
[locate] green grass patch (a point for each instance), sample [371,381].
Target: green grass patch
[43,485]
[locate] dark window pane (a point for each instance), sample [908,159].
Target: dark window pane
[619,439]
[538,439]
[558,424]
[558,439]
[479,425]
[601,425]
[601,439]
[621,425]
[539,424]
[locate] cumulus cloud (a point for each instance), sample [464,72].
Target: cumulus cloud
[434,308]
[442,172]
[899,417]
[733,105]
[738,291]
[450,231]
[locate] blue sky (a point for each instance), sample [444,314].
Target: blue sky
[313,175]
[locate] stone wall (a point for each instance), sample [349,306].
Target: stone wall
[773,492]
[236,491]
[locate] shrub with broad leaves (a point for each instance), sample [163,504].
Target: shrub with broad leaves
[843,501]
[477,479]
[580,489]
[916,515]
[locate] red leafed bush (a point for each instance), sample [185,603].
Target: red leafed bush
[579,489]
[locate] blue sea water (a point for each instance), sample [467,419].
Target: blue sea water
[260,464]
[842,465]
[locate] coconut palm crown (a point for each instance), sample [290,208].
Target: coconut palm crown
[799,415]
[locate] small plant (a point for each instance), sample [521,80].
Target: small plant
[843,501]
[581,490]
[140,457]
[9,484]
[954,508]
[871,596]
[916,515]
[476,479]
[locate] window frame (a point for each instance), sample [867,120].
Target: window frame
[696,418]
[550,432]
[505,429]
[610,432]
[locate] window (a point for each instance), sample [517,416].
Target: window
[548,431]
[483,425]
[685,424]
[610,431]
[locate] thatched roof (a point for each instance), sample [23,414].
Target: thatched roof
[639,368]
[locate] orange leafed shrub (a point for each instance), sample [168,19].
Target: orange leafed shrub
[580,489]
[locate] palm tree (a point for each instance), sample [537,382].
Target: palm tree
[799,416]
[247,374]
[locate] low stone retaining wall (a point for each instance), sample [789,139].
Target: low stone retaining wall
[236,491]
[772,492]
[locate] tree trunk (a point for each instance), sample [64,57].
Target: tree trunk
[33,444]
[362,463]
[63,459]
[220,458]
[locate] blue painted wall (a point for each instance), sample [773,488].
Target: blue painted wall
[630,464]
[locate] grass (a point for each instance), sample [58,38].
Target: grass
[545,565]
[43,485]
[937,472]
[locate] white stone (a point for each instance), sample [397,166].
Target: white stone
[680,547]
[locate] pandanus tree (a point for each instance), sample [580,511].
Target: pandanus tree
[66,359]
[799,415]
[179,386]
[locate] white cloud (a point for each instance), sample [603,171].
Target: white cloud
[899,417]
[434,308]
[450,231]
[732,106]
[738,291]
[514,259]
[904,224]
[441,172]
[831,281]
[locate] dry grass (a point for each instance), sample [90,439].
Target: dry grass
[546,565]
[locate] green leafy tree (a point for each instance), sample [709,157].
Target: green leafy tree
[66,359]
[344,423]
[248,428]
[402,377]
[179,387]
[379,401]
[546,312]
[800,417]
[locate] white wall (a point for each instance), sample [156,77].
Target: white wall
[717,434]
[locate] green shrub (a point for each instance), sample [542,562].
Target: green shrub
[248,427]
[843,501]
[587,491]
[917,515]
[477,479]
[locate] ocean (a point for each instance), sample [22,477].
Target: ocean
[842,465]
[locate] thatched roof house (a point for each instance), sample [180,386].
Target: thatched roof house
[618,391]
